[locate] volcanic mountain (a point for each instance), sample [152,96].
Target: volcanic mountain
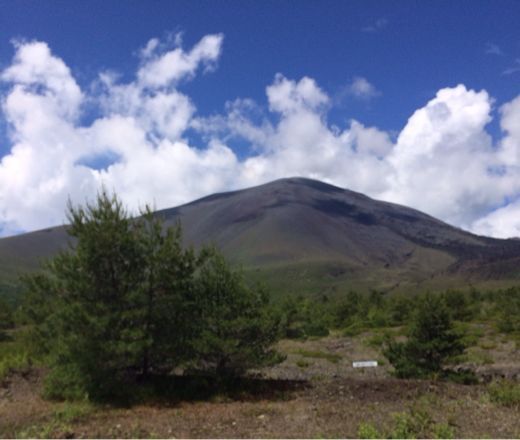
[305,236]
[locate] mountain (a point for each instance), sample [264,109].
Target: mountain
[305,236]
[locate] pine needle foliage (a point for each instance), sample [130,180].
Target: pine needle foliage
[128,300]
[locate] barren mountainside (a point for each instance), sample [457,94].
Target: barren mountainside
[311,237]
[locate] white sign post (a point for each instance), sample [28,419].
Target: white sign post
[364,364]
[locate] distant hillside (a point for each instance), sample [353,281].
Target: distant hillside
[305,236]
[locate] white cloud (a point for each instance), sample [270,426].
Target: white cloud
[165,69]
[287,96]
[361,88]
[443,161]
[142,124]
[515,68]
[376,26]
[493,49]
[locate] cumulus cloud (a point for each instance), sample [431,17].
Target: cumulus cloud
[141,124]
[163,69]
[443,161]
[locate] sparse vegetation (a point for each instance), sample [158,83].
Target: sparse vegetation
[505,393]
[334,358]
[172,306]
[13,357]
[368,431]
[410,424]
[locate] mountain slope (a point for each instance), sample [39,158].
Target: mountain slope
[308,236]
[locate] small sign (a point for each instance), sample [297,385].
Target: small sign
[364,364]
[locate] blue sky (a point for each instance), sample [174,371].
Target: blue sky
[374,62]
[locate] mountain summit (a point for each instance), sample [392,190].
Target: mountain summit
[303,235]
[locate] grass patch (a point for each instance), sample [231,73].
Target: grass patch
[12,357]
[302,363]
[368,431]
[60,423]
[375,341]
[487,345]
[70,412]
[408,425]
[334,358]
[353,330]
[471,333]
[479,357]
[505,393]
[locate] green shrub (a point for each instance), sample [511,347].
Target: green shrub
[354,329]
[316,329]
[368,431]
[443,431]
[415,424]
[431,342]
[377,340]
[505,393]
[13,356]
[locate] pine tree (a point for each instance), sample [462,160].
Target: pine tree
[127,299]
[6,318]
[431,342]
[95,330]
[237,327]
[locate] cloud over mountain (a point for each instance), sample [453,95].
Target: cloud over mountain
[443,161]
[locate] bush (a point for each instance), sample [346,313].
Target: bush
[368,431]
[431,342]
[505,393]
[316,329]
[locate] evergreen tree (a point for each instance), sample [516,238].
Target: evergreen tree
[6,318]
[431,342]
[95,331]
[128,299]
[237,327]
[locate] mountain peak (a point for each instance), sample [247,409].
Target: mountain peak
[297,229]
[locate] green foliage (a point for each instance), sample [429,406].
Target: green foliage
[237,328]
[406,426]
[331,357]
[459,305]
[368,431]
[304,317]
[128,299]
[302,363]
[60,423]
[6,315]
[508,310]
[13,356]
[415,423]
[377,339]
[6,318]
[443,431]
[505,393]
[431,342]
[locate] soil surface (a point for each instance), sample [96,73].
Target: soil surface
[314,393]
